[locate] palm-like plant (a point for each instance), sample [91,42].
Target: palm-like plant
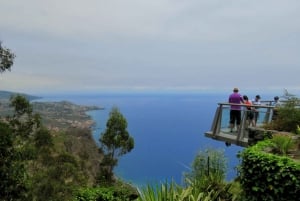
[206,182]
[172,192]
[282,144]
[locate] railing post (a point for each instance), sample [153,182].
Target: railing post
[217,121]
[241,131]
[268,116]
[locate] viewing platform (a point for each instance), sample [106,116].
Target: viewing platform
[244,136]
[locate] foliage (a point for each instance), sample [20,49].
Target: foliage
[207,176]
[298,129]
[54,173]
[85,150]
[288,117]
[166,191]
[208,169]
[43,140]
[282,143]
[173,192]
[268,177]
[116,192]
[6,58]
[236,191]
[23,121]
[16,137]
[105,174]
[31,167]
[115,142]
[12,185]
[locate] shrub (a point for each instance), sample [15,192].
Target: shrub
[117,192]
[268,177]
[288,117]
[281,143]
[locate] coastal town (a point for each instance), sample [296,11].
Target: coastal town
[64,114]
[58,115]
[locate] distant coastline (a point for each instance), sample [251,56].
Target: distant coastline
[56,115]
[6,95]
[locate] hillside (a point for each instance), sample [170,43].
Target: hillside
[55,115]
[70,127]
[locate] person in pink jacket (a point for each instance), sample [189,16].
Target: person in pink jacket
[235,110]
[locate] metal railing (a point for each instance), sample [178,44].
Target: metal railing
[220,129]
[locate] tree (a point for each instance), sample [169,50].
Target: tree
[12,185]
[31,167]
[208,174]
[16,133]
[6,58]
[115,142]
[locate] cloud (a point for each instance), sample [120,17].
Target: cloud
[97,44]
[201,20]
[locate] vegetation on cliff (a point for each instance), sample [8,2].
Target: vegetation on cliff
[43,164]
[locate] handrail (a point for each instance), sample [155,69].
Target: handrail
[220,131]
[258,106]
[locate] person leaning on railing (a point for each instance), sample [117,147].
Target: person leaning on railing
[249,110]
[276,105]
[256,101]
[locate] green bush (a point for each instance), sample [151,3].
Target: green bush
[268,177]
[117,192]
[288,117]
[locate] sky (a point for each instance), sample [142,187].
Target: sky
[75,46]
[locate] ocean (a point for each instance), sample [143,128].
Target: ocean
[168,130]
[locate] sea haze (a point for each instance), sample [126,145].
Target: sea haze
[168,130]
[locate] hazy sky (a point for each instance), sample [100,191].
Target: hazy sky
[96,45]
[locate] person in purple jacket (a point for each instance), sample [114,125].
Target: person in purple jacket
[235,110]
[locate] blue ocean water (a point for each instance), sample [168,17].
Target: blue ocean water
[168,130]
